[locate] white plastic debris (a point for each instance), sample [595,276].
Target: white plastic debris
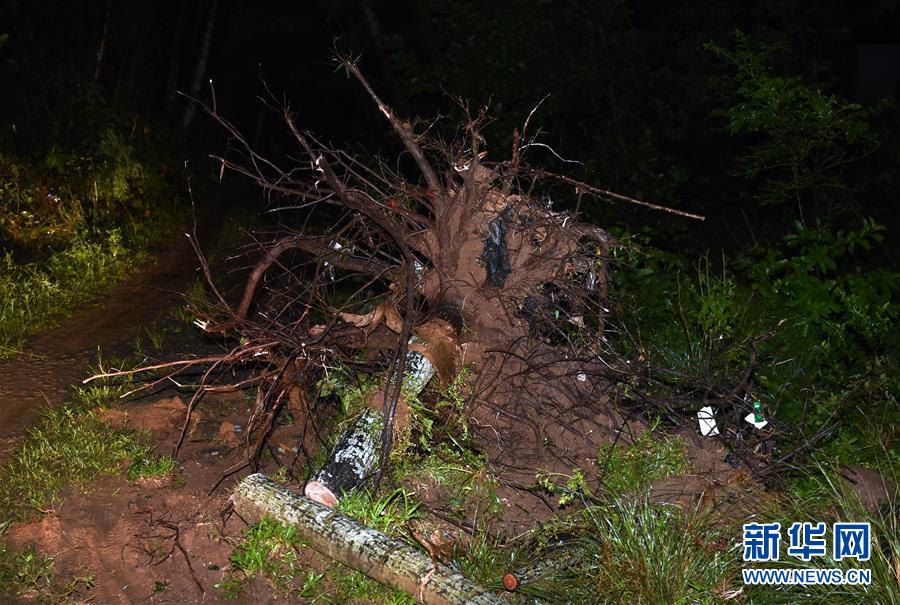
[707,421]
[751,418]
[582,377]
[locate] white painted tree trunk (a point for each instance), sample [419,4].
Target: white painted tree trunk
[356,455]
[337,536]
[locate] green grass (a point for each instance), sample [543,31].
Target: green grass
[387,513]
[270,550]
[71,445]
[151,466]
[33,295]
[66,248]
[28,575]
[275,553]
[652,455]
[628,549]
[634,551]
[24,571]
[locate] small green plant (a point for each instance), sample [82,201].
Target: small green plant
[270,550]
[24,571]
[623,468]
[444,406]
[650,456]
[71,445]
[388,513]
[27,576]
[574,488]
[274,552]
[152,466]
[485,554]
[350,586]
[635,551]
[196,297]
[351,388]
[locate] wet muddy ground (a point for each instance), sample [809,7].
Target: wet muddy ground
[59,357]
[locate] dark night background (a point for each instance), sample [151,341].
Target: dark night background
[634,92]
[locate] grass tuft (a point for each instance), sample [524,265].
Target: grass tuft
[649,457]
[151,466]
[71,445]
[388,513]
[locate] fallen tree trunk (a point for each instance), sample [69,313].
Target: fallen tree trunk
[352,461]
[355,455]
[333,534]
[551,562]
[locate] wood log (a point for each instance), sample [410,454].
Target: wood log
[550,563]
[353,460]
[356,454]
[335,535]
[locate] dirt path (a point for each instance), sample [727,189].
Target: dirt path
[58,358]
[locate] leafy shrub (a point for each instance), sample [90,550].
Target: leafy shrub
[832,305]
[801,139]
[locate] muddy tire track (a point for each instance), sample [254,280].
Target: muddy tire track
[57,358]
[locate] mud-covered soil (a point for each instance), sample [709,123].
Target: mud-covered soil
[129,535]
[169,541]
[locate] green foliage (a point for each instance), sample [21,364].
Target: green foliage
[351,586]
[801,139]
[487,553]
[74,221]
[837,354]
[623,469]
[33,295]
[635,551]
[271,550]
[388,513]
[438,416]
[628,549]
[830,303]
[276,553]
[351,388]
[24,571]
[650,456]
[151,466]
[27,576]
[71,445]
[574,489]
[682,316]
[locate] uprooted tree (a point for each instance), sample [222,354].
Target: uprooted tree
[480,271]
[461,262]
